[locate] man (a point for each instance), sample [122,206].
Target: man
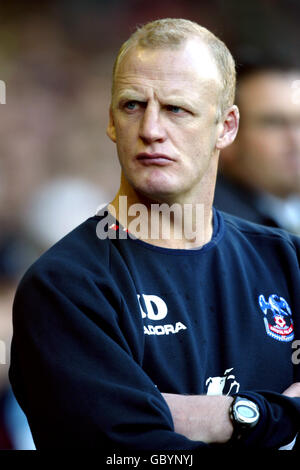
[133,340]
[259,176]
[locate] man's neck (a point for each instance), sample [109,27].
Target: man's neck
[168,223]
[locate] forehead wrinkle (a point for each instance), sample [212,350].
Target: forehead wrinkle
[140,88]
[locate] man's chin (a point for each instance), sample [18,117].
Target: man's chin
[159,192]
[159,187]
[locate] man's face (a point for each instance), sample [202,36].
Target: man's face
[163,119]
[268,144]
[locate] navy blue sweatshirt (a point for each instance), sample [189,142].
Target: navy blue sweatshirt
[103,327]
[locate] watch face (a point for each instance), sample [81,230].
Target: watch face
[246,411]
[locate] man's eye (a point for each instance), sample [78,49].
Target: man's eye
[174,109]
[131,105]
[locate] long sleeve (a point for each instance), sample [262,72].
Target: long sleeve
[74,373]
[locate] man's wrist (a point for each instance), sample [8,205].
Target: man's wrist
[221,426]
[202,418]
[209,418]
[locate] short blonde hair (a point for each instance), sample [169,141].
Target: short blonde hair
[171,33]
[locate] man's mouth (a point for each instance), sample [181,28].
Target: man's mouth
[159,159]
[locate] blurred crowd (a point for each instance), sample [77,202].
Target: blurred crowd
[259,174]
[57,166]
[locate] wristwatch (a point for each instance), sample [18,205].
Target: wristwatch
[244,415]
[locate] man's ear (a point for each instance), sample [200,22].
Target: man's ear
[229,128]
[111,130]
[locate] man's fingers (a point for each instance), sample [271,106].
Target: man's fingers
[293,390]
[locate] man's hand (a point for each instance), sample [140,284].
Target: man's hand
[201,417]
[293,390]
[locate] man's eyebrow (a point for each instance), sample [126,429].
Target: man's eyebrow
[129,95]
[180,101]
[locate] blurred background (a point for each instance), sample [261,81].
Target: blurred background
[56,163]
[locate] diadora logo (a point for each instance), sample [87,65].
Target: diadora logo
[277,317]
[155,308]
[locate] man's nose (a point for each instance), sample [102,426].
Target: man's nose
[293,133]
[151,126]
[294,129]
